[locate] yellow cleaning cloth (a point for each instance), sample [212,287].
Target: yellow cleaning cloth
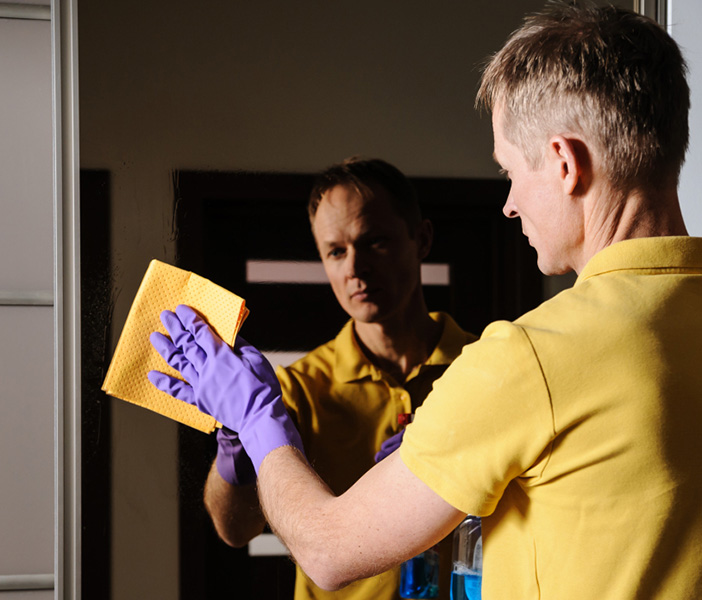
[164,287]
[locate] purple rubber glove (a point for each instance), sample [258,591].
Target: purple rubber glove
[389,446]
[233,464]
[237,387]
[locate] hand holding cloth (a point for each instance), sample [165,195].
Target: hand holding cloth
[238,386]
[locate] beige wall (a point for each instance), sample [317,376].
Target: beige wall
[267,85]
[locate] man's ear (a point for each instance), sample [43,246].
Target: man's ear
[571,157]
[425,238]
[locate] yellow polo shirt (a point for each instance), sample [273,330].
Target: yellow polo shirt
[576,433]
[344,408]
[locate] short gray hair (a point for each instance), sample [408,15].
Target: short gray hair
[609,74]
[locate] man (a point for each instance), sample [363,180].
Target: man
[574,432]
[345,396]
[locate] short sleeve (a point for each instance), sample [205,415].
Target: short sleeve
[487,421]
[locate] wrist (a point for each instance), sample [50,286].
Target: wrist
[271,428]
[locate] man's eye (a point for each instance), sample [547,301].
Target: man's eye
[335,253]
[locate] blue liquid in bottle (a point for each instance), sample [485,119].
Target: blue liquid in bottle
[419,576]
[466,585]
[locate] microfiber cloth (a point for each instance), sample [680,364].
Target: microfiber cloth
[164,287]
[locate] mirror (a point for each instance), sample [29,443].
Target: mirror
[285,87]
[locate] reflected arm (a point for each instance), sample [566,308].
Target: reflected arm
[234,509]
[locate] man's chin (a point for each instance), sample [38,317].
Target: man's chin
[366,314]
[551,269]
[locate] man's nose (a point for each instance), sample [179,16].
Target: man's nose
[510,208]
[356,264]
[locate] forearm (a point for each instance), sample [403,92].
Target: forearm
[234,509]
[375,525]
[290,493]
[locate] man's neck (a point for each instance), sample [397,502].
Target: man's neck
[637,215]
[398,345]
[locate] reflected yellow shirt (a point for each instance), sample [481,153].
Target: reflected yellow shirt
[576,433]
[344,408]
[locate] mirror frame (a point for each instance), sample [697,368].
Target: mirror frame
[67,308]
[67,413]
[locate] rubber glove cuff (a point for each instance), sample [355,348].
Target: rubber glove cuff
[270,428]
[233,464]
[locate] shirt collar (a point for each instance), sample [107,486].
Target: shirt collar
[673,253]
[451,342]
[350,362]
